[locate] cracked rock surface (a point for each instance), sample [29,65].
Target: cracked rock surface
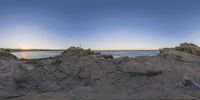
[171,74]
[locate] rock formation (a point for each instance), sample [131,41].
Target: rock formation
[4,53]
[75,75]
[77,51]
[189,48]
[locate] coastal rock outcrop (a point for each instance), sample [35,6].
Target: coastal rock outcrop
[189,48]
[77,51]
[4,53]
[81,74]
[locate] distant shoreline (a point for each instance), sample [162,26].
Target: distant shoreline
[23,50]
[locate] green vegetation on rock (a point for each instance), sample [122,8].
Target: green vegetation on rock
[4,53]
[77,51]
[189,48]
[80,52]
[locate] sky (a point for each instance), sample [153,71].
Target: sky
[98,24]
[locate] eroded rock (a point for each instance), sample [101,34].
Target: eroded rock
[189,48]
[78,76]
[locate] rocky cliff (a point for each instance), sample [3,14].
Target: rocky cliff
[173,74]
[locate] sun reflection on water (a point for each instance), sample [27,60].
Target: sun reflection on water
[23,55]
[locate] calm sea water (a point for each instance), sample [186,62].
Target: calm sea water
[45,54]
[131,53]
[36,54]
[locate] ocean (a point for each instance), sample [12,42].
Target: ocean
[130,53]
[115,53]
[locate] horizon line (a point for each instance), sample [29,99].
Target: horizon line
[43,49]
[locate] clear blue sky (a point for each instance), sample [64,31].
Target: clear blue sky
[98,24]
